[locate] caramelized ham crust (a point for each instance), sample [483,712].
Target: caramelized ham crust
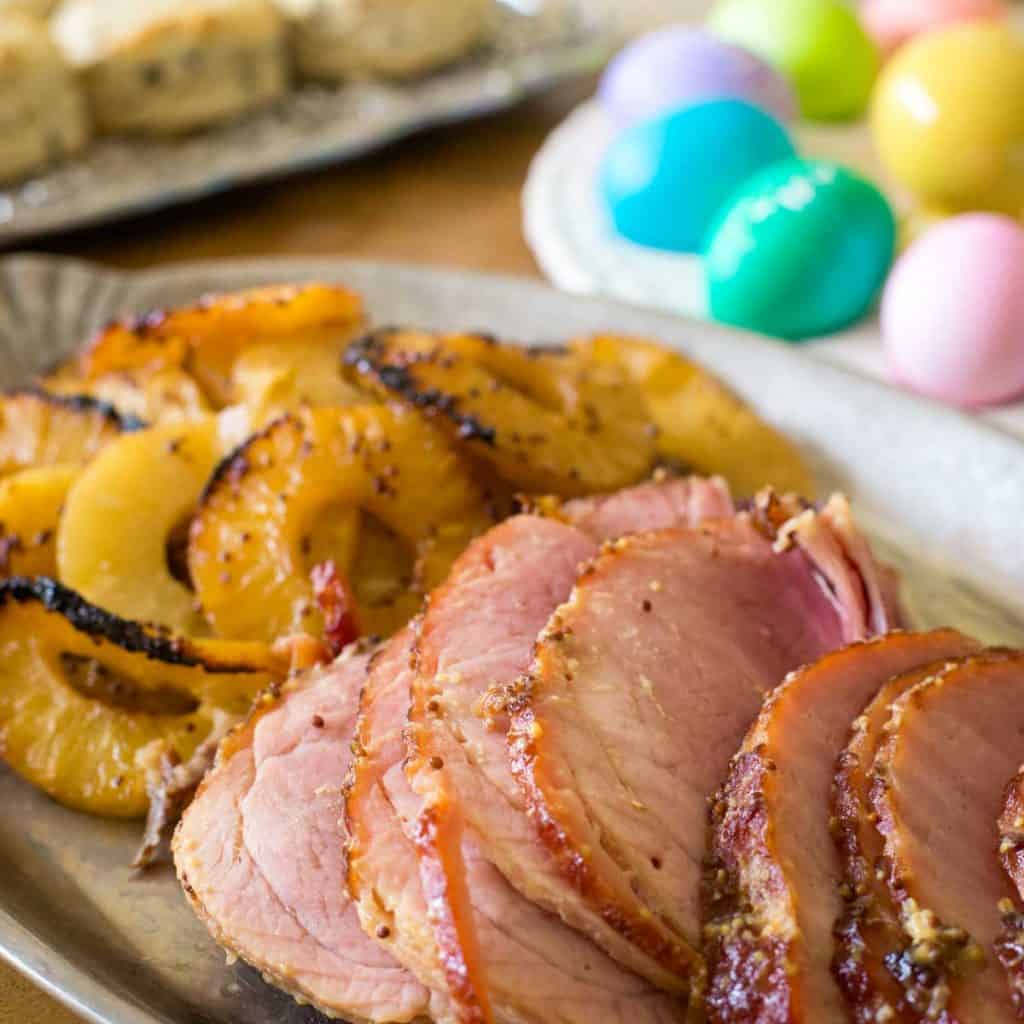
[539,971]
[641,687]
[1010,948]
[259,854]
[774,877]
[950,745]
[868,930]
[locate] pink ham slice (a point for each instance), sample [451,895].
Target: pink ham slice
[868,929]
[477,635]
[479,629]
[939,776]
[774,874]
[260,855]
[543,972]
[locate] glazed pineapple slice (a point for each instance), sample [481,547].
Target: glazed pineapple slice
[547,420]
[206,339]
[702,424]
[275,378]
[163,396]
[125,522]
[31,502]
[260,530]
[88,700]
[38,429]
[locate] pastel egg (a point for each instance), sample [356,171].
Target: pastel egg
[801,250]
[948,117]
[677,66]
[953,311]
[818,44]
[893,22]
[663,180]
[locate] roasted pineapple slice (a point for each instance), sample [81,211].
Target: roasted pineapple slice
[701,423]
[38,429]
[259,531]
[86,698]
[275,378]
[164,396]
[205,339]
[116,541]
[546,419]
[31,501]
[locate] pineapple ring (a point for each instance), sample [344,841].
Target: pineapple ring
[121,518]
[164,396]
[206,339]
[545,419]
[87,698]
[253,545]
[31,502]
[39,429]
[702,423]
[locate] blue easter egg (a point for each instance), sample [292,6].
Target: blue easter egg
[664,180]
[801,250]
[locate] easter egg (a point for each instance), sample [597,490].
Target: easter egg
[677,66]
[663,180]
[948,117]
[818,44]
[801,250]
[953,311]
[893,22]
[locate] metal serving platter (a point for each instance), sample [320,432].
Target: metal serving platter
[533,44]
[942,494]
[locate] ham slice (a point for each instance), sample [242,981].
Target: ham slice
[541,971]
[868,930]
[774,876]
[951,743]
[476,639]
[260,856]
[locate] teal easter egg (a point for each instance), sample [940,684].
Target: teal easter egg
[820,45]
[801,250]
[663,180]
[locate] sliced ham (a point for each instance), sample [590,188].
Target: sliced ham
[641,687]
[774,874]
[479,629]
[868,929]
[260,855]
[540,971]
[951,743]
[477,638]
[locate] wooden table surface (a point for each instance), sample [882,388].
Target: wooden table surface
[450,196]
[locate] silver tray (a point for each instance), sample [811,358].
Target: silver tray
[942,494]
[533,44]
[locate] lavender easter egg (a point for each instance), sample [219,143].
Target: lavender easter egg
[677,66]
[953,312]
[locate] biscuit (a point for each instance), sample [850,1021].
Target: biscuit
[338,39]
[163,67]
[42,112]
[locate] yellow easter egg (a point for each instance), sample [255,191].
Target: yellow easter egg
[948,117]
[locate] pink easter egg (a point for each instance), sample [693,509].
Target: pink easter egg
[893,22]
[953,312]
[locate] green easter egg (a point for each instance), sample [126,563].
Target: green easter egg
[800,250]
[820,45]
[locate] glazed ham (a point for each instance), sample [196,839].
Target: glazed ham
[868,929]
[951,743]
[476,640]
[537,969]
[259,854]
[1011,831]
[775,878]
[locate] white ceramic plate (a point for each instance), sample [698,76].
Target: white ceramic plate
[573,240]
[943,494]
[533,44]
